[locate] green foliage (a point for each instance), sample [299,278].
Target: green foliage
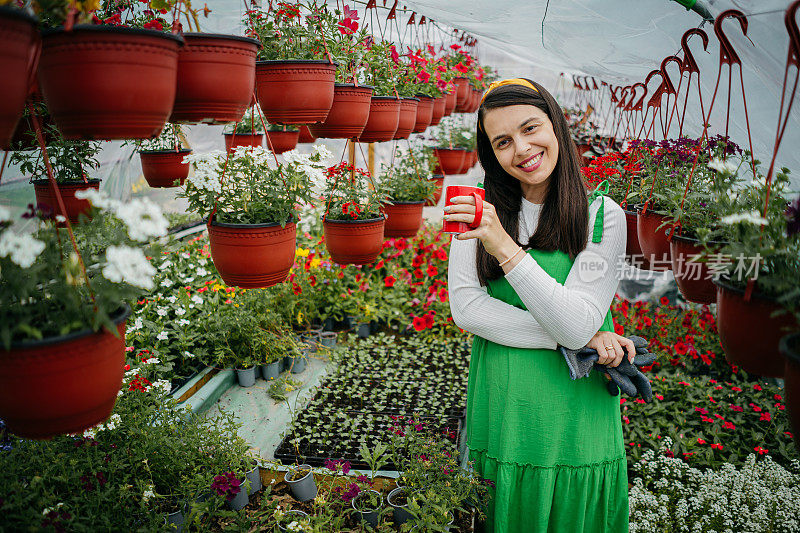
[409,177]
[350,194]
[456,132]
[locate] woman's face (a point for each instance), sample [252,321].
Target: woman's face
[524,143]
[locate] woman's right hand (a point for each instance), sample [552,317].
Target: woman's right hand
[609,348]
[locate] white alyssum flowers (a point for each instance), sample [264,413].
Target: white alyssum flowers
[206,174]
[723,165]
[22,249]
[753,217]
[161,386]
[147,494]
[162,336]
[129,265]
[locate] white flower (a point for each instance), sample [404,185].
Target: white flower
[172,299]
[180,311]
[166,282]
[161,311]
[161,386]
[90,433]
[186,255]
[189,355]
[98,199]
[112,423]
[129,265]
[162,336]
[183,322]
[22,249]
[202,271]
[151,360]
[5,214]
[166,264]
[143,219]
[294,526]
[753,217]
[137,324]
[202,261]
[722,165]
[323,152]
[146,495]
[197,299]
[49,510]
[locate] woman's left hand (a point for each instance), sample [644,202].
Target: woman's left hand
[490,231]
[609,348]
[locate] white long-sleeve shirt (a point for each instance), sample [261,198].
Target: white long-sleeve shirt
[568,314]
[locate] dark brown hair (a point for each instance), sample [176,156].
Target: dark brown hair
[564,219]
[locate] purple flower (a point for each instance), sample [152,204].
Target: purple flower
[345,467]
[792,215]
[351,493]
[226,485]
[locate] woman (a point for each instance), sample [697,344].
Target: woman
[539,271]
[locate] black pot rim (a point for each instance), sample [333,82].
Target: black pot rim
[791,354]
[421,96]
[415,202]
[728,286]
[354,86]
[118,317]
[639,207]
[106,28]
[453,149]
[363,221]
[415,98]
[70,182]
[692,240]
[243,134]
[290,61]
[221,36]
[16,13]
[181,151]
[244,226]
[365,511]
[437,176]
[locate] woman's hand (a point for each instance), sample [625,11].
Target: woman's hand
[609,348]
[490,231]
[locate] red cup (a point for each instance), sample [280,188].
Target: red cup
[452,227]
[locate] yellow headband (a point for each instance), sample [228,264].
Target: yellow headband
[511,81]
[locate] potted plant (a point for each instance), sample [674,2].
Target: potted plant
[19,40]
[70,160]
[301,481]
[247,132]
[292,520]
[305,136]
[353,222]
[281,139]
[163,158]
[456,145]
[62,354]
[252,206]
[423,68]
[408,185]
[294,75]
[384,112]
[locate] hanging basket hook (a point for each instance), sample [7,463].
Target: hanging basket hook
[727,54]
[689,64]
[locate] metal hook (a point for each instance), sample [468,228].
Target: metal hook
[594,82]
[638,105]
[669,87]
[794,33]
[655,100]
[689,64]
[622,97]
[613,90]
[726,52]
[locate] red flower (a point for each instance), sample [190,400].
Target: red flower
[418,323]
[429,320]
[681,348]
[154,25]
[394,55]
[760,450]
[766,416]
[736,408]
[756,387]
[419,274]
[728,425]
[423,76]
[701,441]
[701,410]
[388,281]
[432,270]
[418,261]
[440,254]
[296,289]
[736,389]
[443,298]
[401,244]
[461,67]
[716,446]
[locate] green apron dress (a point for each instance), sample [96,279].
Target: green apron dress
[552,446]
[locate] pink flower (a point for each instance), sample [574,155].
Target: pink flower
[394,55]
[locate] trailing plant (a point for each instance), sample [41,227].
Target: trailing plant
[350,194]
[70,160]
[172,137]
[408,178]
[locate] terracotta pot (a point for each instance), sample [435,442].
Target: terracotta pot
[424,113]
[583,148]
[356,242]
[384,115]
[403,219]
[62,384]
[206,60]
[282,141]
[243,139]
[790,349]
[468,161]
[305,135]
[463,94]
[476,102]
[295,92]
[19,46]
[653,241]
[450,161]
[437,195]
[748,333]
[450,103]
[109,82]
[438,110]
[252,255]
[408,118]
[693,277]
[74,206]
[348,115]
[162,168]
[633,251]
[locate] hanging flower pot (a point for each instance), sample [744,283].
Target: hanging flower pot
[403,219]
[449,103]
[584,149]
[633,251]
[206,59]
[693,277]
[252,255]
[790,349]
[438,110]
[653,241]
[243,139]
[75,207]
[450,161]
[437,195]
[748,333]
[408,117]
[424,113]
[356,242]
[348,115]
[463,94]
[305,135]
[282,141]
[163,168]
[19,45]
[109,82]
[468,162]
[476,102]
[295,91]
[384,115]
[62,384]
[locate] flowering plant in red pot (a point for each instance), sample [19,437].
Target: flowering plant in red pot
[246,132]
[162,157]
[408,186]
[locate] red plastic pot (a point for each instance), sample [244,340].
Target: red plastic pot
[583,148]
[463,94]
[424,113]
[282,141]
[62,384]
[295,92]
[748,333]
[468,161]
[408,117]
[252,255]
[19,45]
[403,219]
[348,115]
[74,206]
[450,103]
[207,59]
[633,251]
[693,277]
[354,242]
[437,195]
[652,240]
[162,168]
[438,110]
[450,161]
[790,349]
[243,139]
[305,135]
[476,103]
[109,82]
[384,115]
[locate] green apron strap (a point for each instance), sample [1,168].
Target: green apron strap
[600,190]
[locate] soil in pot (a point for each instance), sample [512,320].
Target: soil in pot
[45,196]
[164,168]
[295,92]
